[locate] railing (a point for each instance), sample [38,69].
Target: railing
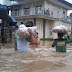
[20,13]
[29,12]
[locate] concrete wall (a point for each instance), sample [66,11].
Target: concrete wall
[23,20]
[29,19]
[39,24]
[48,28]
[55,10]
[68,25]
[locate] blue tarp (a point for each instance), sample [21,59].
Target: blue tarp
[3,12]
[13,23]
[4,16]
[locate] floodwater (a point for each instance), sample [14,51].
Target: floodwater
[41,59]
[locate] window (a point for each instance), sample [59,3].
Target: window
[26,11]
[38,9]
[16,13]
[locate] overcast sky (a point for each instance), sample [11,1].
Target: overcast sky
[1,1]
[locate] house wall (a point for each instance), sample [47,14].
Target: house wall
[55,10]
[48,27]
[68,25]
[29,19]
[24,20]
[39,24]
[56,23]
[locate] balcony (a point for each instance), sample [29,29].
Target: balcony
[34,13]
[28,12]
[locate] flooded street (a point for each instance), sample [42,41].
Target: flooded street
[42,59]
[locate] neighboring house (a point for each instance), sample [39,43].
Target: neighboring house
[45,14]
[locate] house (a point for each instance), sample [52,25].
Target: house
[45,14]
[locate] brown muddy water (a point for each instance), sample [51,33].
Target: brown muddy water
[41,59]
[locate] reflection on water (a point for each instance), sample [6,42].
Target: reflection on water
[42,59]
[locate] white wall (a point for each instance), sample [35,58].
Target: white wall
[68,25]
[57,10]
[39,24]
[48,27]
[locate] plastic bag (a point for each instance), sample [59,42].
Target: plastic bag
[60,28]
[34,28]
[23,32]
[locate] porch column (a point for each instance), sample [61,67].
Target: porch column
[34,21]
[44,24]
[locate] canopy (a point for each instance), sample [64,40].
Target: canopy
[4,15]
[13,23]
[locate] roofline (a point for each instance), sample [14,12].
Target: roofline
[35,16]
[61,4]
[68,7]
[65,2]
[42,17]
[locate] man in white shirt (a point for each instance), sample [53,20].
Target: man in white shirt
[23,44]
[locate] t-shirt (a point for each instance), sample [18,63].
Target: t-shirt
[22,44]
[16,41]
[61,44]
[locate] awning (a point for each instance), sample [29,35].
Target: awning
[3,13]
[4,16]
[13,23]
